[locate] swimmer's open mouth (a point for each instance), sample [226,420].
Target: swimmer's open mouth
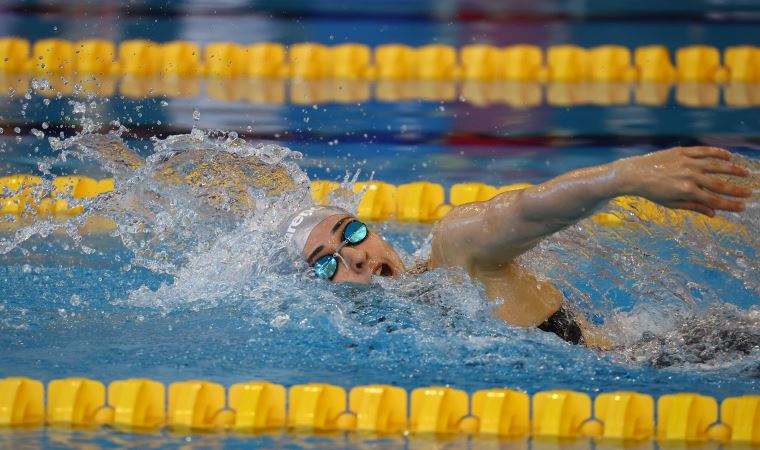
[383,270]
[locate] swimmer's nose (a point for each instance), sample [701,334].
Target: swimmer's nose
[355,258]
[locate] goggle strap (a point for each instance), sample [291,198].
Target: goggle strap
[337,254]
[340,258]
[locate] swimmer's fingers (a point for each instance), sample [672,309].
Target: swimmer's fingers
[694,206]
[722,187]
[707,152]
[720,167]
[715,201]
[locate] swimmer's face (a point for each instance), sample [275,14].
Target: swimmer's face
[372,256]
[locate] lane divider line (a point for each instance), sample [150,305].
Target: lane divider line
[142,404]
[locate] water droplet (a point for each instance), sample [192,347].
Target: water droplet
[79,108]
[17,130]
[75,300]
[38,134]
[26,268]
[164,103]
[45,125]
[196,115]
[197,134]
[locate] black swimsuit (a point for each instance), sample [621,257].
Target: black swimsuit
[564,324]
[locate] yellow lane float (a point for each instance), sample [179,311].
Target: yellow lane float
[623,416]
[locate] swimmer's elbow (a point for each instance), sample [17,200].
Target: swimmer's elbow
[540,214]
[512,226]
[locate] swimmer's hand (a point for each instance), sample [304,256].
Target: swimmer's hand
[684,178]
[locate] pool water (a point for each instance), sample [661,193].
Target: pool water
[180,291]
[63,294]
[680,301]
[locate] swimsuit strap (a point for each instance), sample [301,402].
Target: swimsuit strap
[565,325]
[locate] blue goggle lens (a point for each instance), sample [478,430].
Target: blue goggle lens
[355,232]
[326,266]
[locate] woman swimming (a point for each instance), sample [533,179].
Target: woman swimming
[485,238]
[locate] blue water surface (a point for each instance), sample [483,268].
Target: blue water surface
[71,307]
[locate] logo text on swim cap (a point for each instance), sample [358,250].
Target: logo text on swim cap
[298,219]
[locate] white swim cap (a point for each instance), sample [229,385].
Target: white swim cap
[301,224]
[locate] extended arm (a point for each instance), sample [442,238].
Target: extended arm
[490,234]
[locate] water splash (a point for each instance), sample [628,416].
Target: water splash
[663,276]
[205,209]
[191,190]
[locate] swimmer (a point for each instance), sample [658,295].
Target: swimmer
[485,238]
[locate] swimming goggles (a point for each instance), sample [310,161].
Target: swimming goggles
[354,233]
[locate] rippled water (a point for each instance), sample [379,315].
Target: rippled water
[193,282]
